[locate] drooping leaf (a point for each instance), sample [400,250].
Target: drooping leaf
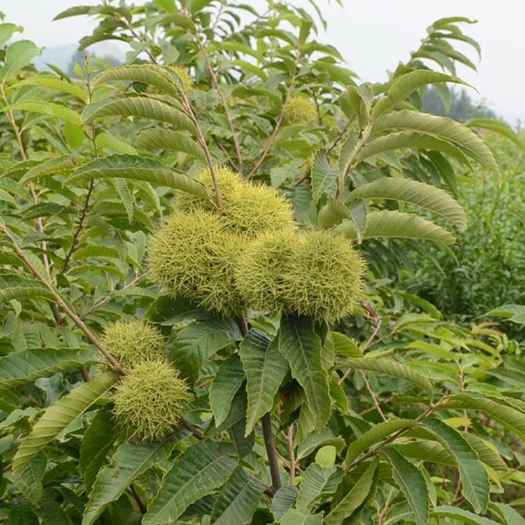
[395,224]
[194,474]
[96,444]
[265,369]
[109,142]
[15,287]
[237,500]
[139,106]
[317,482]
[461,515]
[510,516]
[392,368]
[412,484]
[333,212]
[141,169]
[21,367]
[129,461]
[473,475]
[301,347]
[354,498]
[228,379]
[497,126]
[201,340]
[413,192]
[51,109]
[374,436]
[55,166]
[29,478]
[54,82]
[283,500]
[59,415]
[441,128]
[144,73]
[170,140]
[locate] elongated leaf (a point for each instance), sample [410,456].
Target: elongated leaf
[353,500]
[140,169]
[412,484]
[59,415]
[463,516]
[413,192]
[473,475]
[395,224]
[138,106]
[47,108]
[301,347]
[512,419]
[296,517]
[96,444]
[375,435]
[406,84]
[265,369]
[392,368]
[144,73]
[317,482]
[227,381]
[170,140]
[194,474]
[199,341]
[55,166]
[430,451]
[411,139]
[283,500]
[29,479]
[128,462]
[485,453]
[21,367]
[442,128]
[324,177]
[510,516]
[497,126]
[345,346]
[74,11]
[238,500]
[54,82]
[21,512]
[107,141]
[15,287]
[18,55]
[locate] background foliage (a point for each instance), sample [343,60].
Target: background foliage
[395,415]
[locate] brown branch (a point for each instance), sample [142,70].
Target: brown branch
[291,451]
[63,304]
[271,451]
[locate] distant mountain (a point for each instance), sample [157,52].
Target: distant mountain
[61,56]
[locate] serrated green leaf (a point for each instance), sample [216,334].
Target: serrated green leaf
[324,177]
[510,516]
[74,11]
[152,74]
[141,169]
[15,287]
[96,444]
[413,192]
[497,126]
[374,436]
[296,517]
[129,461]
[345,346]
[54,82]
[194,474]
[237,500]
[333,212]
[392,368]
[512,419]
[283,500]
[473,475]
[412,484]
[107,141]
[353,500]
[139,106]
[29,479]
[441,128]
[20,512]
[47,108]
[21,367]
[55,166]
[59,415]
[227,381]
[170,140]
[405,85]
[265,369]
[317,482]
[200,341]
[18,55]
[461,515]
[395,224]
[302,348]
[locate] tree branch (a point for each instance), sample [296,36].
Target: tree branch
[271,451]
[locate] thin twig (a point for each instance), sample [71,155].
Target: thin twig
[63,304]
[373,396]
[271,451]
[141,505]
[291,451]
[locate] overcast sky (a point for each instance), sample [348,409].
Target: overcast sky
[373,36]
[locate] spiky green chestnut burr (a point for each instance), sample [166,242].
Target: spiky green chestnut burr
[150,400]
[314,274]
[299,110]
[325,278]
[248,209]
[193,255]
[131,342]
